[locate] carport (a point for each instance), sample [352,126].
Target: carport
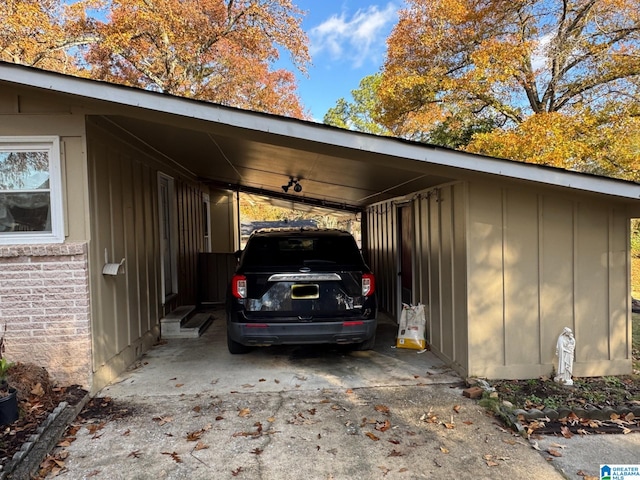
[503,254]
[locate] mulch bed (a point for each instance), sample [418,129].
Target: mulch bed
[37,397]
[596,405]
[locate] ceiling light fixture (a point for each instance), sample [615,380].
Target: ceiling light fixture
[293,182]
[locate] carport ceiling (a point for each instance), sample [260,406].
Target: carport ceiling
[235,158]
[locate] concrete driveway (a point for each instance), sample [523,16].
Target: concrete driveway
[191,410]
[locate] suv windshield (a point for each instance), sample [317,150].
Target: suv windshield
[301,250]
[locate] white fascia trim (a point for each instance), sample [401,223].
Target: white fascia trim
[320,133]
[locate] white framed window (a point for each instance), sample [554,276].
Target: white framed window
[30,190]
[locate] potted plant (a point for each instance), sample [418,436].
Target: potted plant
[8,399]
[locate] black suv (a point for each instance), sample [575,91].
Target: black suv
[301,286]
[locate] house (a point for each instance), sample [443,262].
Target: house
[109,194]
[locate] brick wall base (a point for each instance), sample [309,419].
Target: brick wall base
[45,305]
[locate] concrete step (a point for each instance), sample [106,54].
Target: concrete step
[183,322]
[196,325]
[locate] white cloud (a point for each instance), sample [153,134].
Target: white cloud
[357,39]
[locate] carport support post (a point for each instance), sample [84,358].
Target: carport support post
[238,222]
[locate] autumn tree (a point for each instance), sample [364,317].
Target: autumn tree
[216,50]
[362,114]
[34,33]
[549,72]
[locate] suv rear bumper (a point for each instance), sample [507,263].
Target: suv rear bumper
[349,330]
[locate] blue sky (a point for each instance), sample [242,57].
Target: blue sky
[347,41]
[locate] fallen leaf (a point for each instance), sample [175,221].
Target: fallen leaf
[382,409]
[395,453]
[271,419]
[219,417]
[553,452]
[557,445]
[372,436]
[403,469]
[174,455]
[566,433]
[245,412]
[256,451]
[383,426]
[491,463]
[276,380]
[163,420]
[236,472]
[349,391]
[456,408]
[468,422]
[178,385]
[395,442]
[385,470]
[126,432]
[194,436]
[262,380]
[586,476]
[135,454]
[94,427]
[201,446]
[450,426]
[444,450]
[38,390]
[197,408]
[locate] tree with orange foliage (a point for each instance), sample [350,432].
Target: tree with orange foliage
[215,50]
[560,76]
[34,33]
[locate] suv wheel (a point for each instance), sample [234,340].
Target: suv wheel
[235,347]
[367,344]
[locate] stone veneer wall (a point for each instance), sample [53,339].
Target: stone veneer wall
[45,305]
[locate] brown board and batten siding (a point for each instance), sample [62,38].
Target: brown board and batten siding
[127,308]
[537,262]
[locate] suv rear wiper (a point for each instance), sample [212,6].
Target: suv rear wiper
[318,261]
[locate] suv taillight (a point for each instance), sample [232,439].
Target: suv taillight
[368,284]
[239,286]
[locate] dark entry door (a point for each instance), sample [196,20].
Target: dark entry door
[405,232]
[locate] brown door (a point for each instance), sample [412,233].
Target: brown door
[405,232]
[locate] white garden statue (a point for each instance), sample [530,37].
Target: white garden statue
[565,350]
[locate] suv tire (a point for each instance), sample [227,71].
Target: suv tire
[236,348]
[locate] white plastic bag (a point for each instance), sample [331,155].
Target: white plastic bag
[412,327]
